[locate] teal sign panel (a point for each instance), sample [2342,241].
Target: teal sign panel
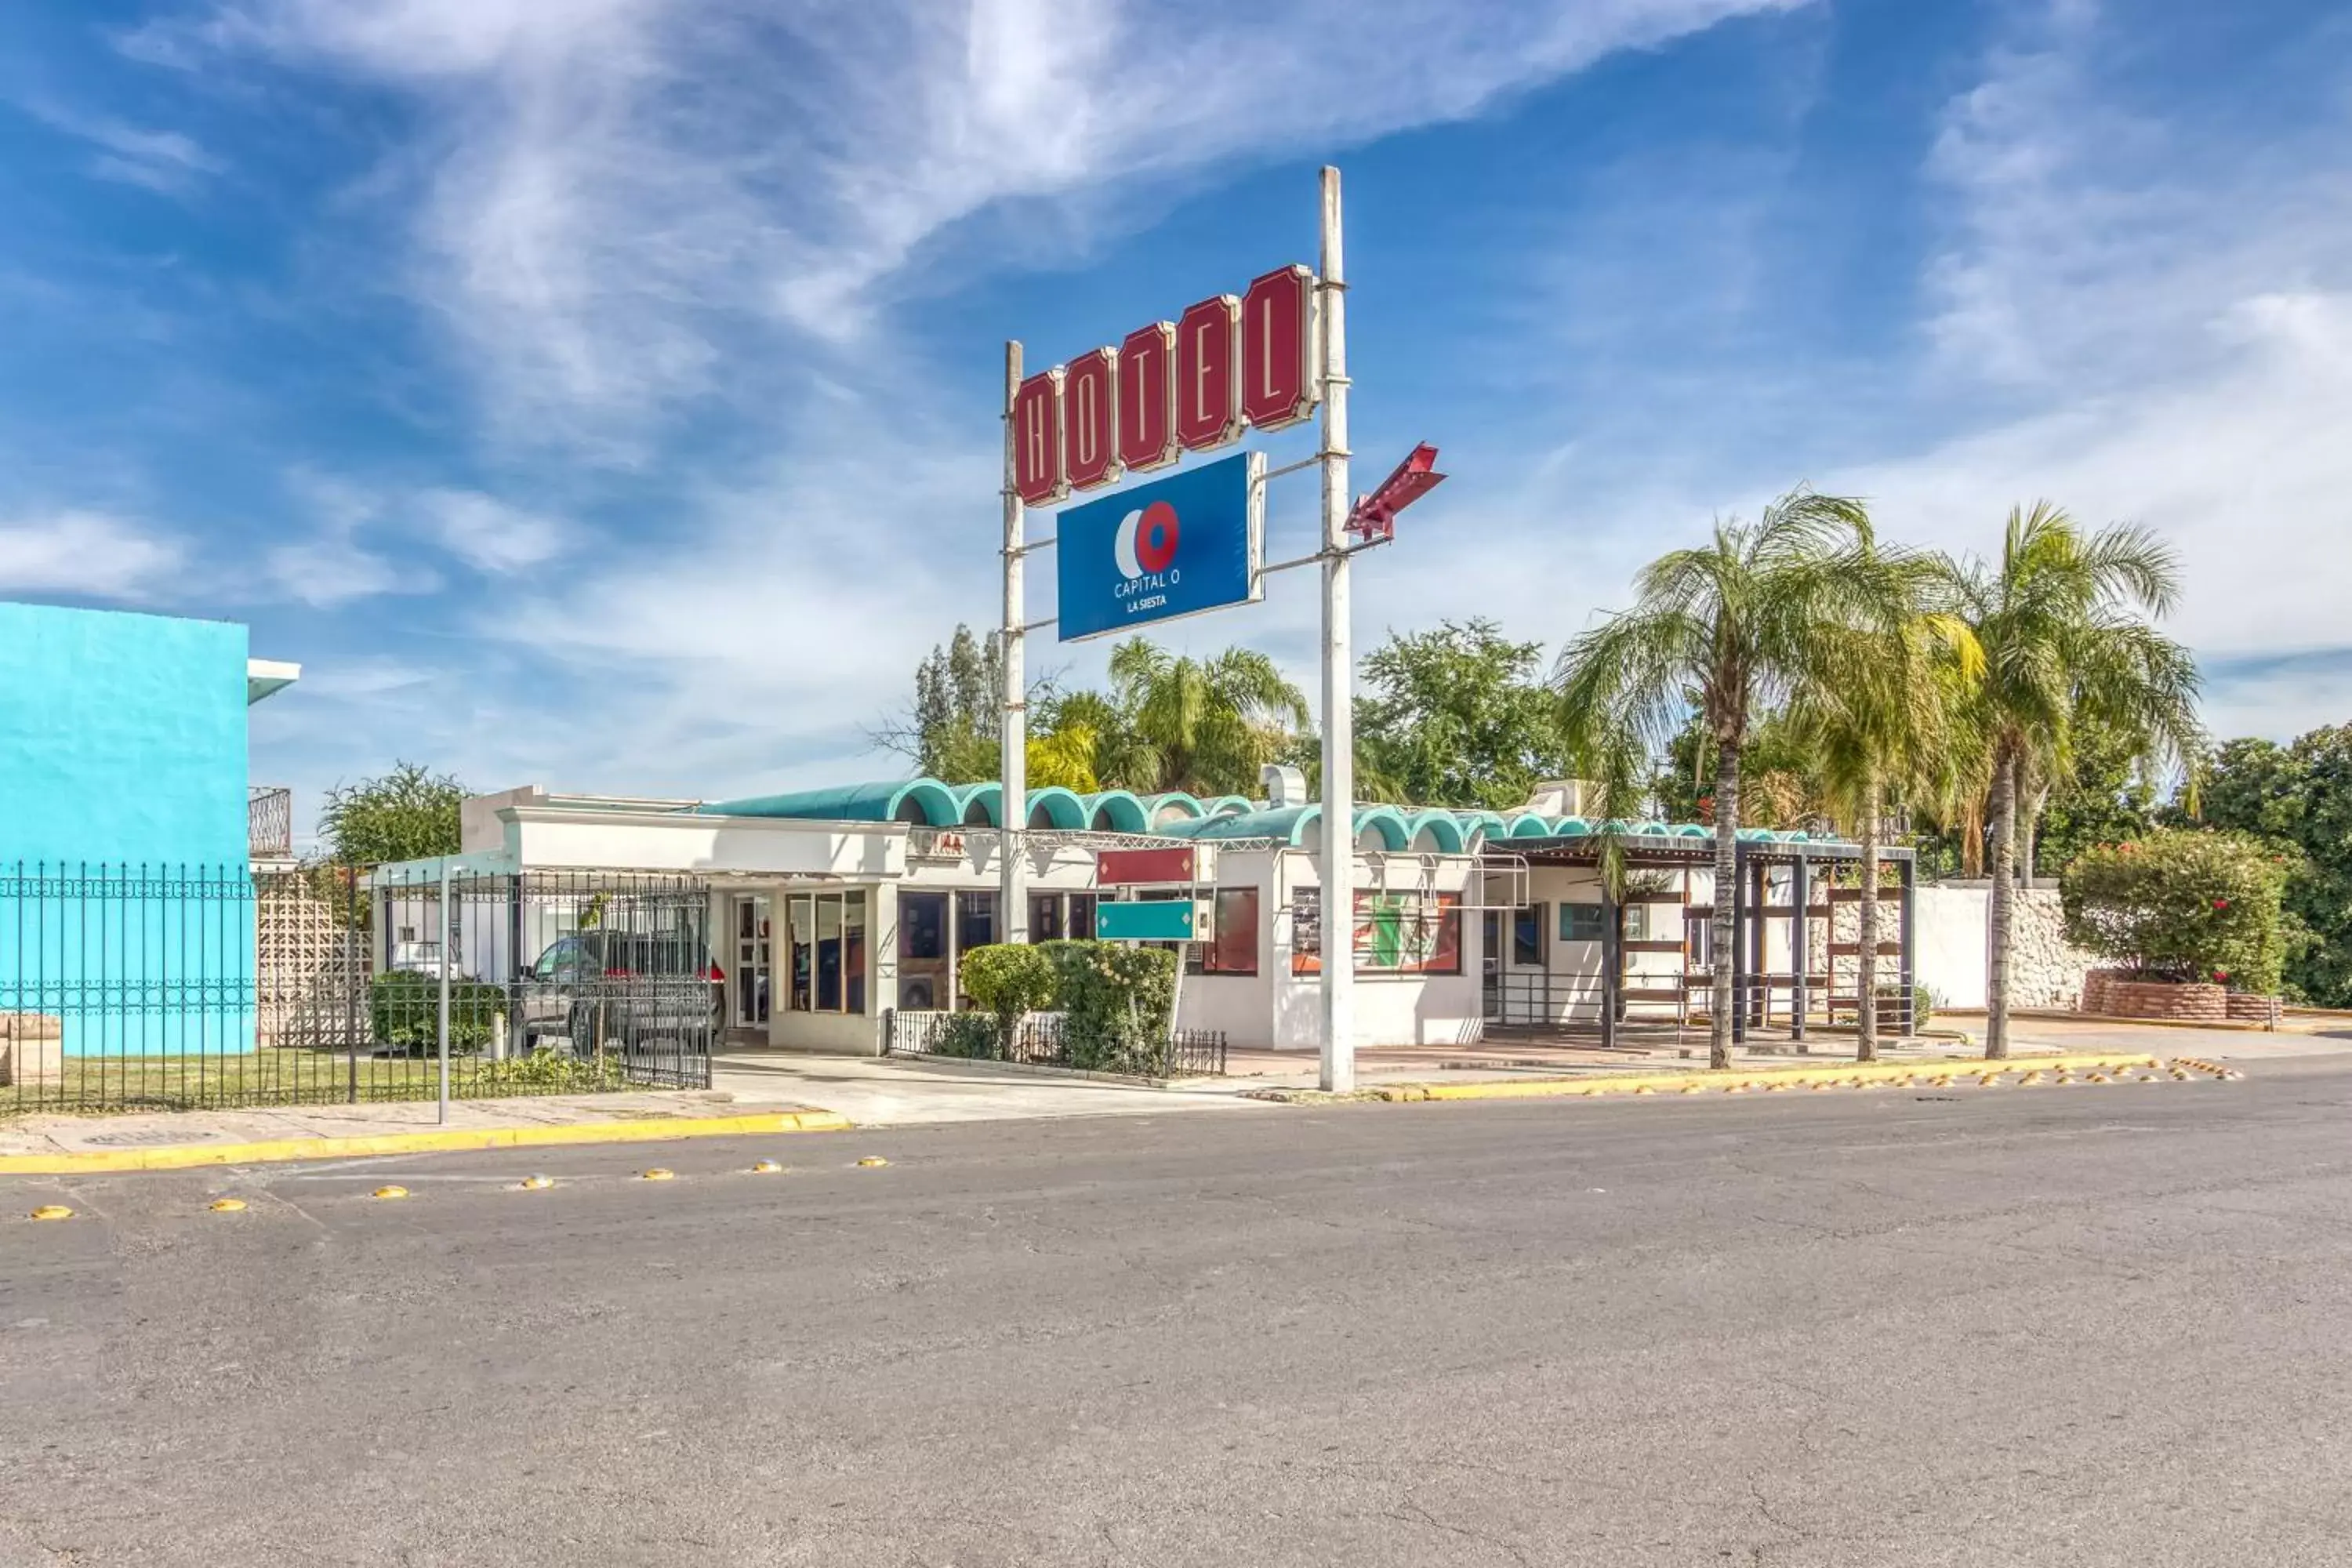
[1158,920]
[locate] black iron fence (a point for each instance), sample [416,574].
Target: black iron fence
[182,987]
[1045,1039]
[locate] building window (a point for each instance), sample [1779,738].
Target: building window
[923,925]
[1045,917]
[975,922]
[1232,947]
[1396,934]
[1581,923]
[1527,936]
[1082,916]
[828,944]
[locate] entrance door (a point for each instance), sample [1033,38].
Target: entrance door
[748,976]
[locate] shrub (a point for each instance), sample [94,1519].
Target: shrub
[973,1036]
[1116,998]
[546,1071]
[2182,905]
[1009,981]
[406,1009]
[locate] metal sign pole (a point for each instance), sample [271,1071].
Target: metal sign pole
[1012,806]
[441,1106]
[1338,1060]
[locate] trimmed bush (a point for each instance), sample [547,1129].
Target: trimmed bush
[1009,981]
[2182,905]
[972,1035]
[406,1009]
[1116,998]
[546,1071]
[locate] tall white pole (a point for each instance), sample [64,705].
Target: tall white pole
[1012,809]
[1339,1063]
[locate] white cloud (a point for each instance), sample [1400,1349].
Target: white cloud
[491,536]
[90,553]
[167,161]
[620,187]
[327,565]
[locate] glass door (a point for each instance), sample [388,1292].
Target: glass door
[748,976]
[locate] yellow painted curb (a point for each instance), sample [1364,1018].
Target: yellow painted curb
[182,1156]
[1853,1075]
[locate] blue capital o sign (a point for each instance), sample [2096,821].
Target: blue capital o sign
[1177,546]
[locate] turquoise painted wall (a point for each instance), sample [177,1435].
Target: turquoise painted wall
[121,737]
[126,902]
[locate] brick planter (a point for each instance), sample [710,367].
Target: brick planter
[2107,992]
[2191,1002]
[31,1048]
[2247,1008]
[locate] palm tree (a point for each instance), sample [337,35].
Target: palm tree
[2059,621]
[1205,725]
[1729,628]
[1878,713]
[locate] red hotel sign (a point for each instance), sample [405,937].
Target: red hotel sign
[1187,386]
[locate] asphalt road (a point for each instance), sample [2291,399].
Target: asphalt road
[2080,1326]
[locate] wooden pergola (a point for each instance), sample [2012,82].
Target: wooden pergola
[1821,874]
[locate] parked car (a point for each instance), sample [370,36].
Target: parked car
[636,991]
[424,958]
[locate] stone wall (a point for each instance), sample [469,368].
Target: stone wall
[2045,970]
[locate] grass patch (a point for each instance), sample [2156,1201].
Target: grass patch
[295,1076]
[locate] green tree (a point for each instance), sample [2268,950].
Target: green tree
[1873,712]
[2059,621]
[1776,783]
[2105,798]
[1009,981]
[954,732]
[2297,799]
[1729,628]
[1206,726]
[1457,716]
[2183,904]
[407,813]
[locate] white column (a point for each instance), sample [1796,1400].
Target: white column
[1338,1060]
[1012,809]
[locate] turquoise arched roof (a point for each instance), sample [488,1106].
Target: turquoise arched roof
[1527,824]
[977,804]
[1690,830]
[1571,827]
[1116,811]
[1493,823]
[1395,831]
[1654,829]
[1752,835]
[1443,828]
[925,801]
[1285,825]
[1062,808]
[1172,807]
[1227,805]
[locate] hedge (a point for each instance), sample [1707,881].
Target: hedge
[405,1010]
[2179,904]
[1116,998]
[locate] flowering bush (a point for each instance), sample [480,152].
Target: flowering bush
[2182,905]
[1115,998]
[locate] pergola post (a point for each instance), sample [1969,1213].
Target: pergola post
[1737,957]
[1759,968]
[1612,962]
[1905,908]
[1800,946]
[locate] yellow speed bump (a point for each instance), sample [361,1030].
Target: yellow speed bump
[765,1167]
[656,1173]
[389,1193]
[226,1205]
[872,1162]
[51,1211]
[535,1182]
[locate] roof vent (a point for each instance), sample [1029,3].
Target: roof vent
[1284,785]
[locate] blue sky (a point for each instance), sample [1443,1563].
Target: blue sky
[604,395]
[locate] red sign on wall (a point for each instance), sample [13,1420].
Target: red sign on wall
[1134,867]
[1224,365]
